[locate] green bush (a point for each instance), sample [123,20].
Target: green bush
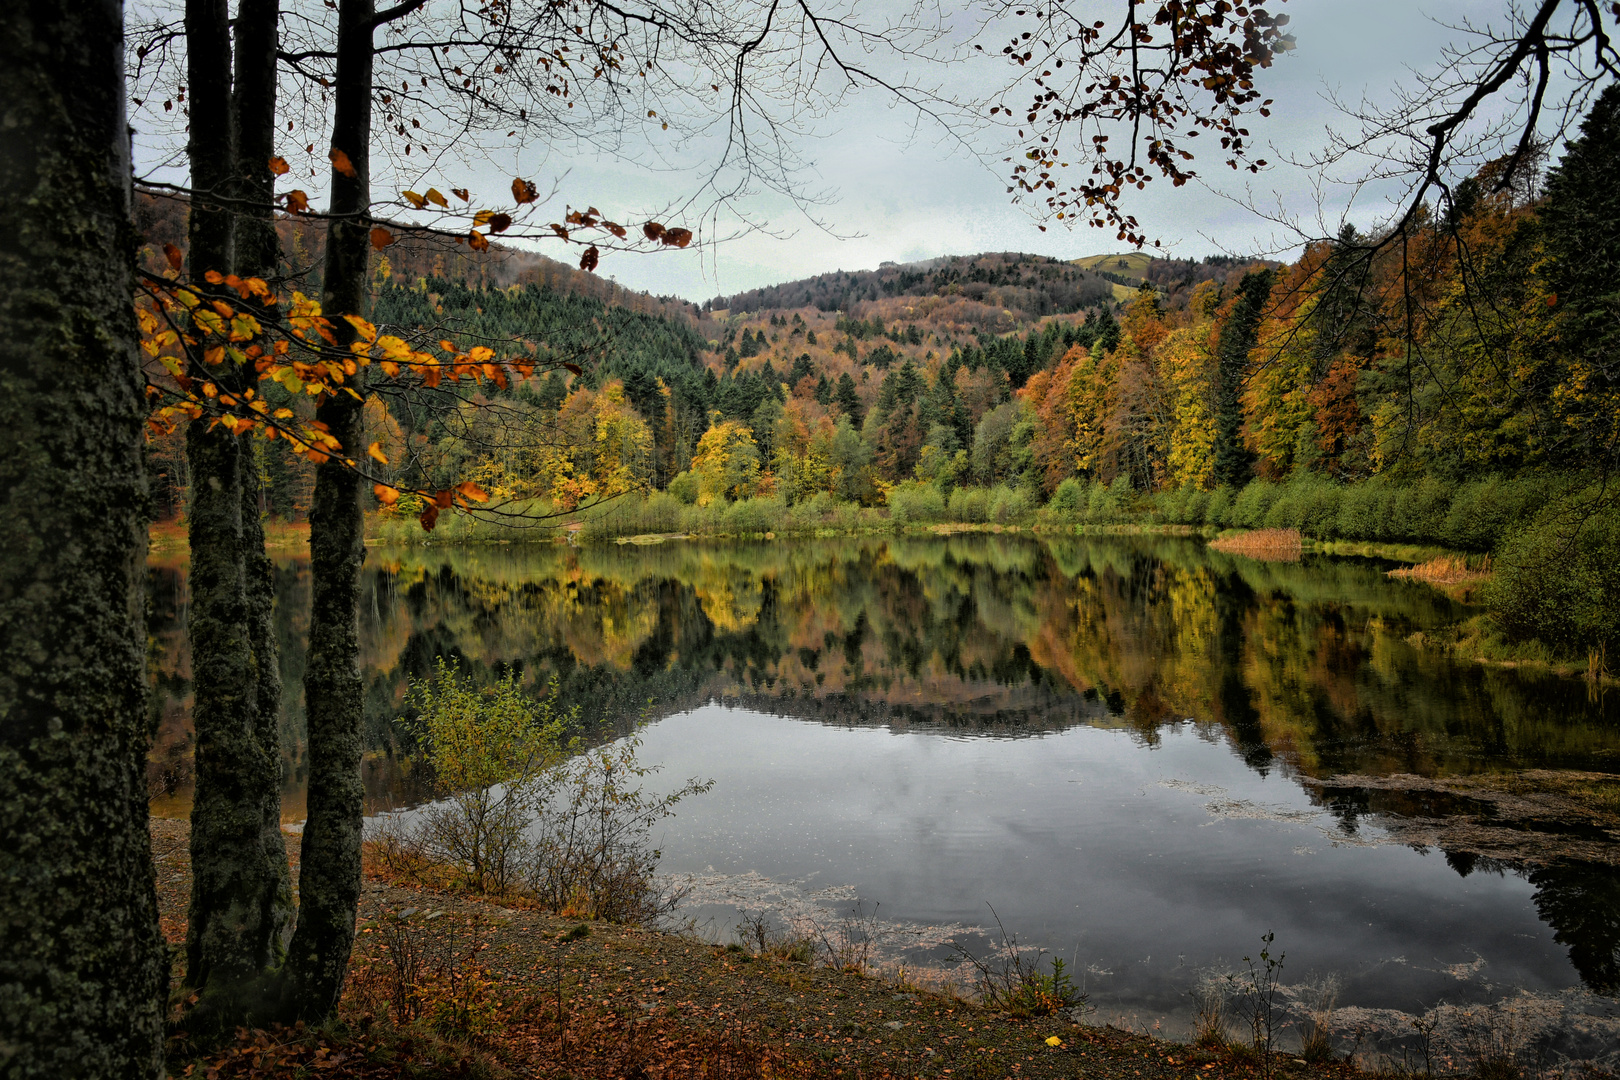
[1009,505]
[1558,581]
[915,502]
[1068,502]
[1485,512]
[685,488]
[1218,510]
[970,505]
[747,516]
[1253,503]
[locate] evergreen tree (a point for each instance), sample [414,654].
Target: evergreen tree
[849,402]
[1233,462]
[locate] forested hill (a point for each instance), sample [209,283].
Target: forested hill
[981,287]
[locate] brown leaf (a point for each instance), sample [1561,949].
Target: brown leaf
[297,202]
[652,230]
[523,191]
[575,368]
[460,193]
[477,241]
[279,166]
[500,222]
[429,518]
[588,261]
[444,499]
[175,256]
[677,237]
[381,237]
[341,162]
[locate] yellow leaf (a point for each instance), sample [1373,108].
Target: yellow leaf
[366,330]
[433,196]
[416,201]
[375,450]
[385,494]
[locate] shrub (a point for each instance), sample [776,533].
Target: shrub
[685,488]
[1009,505]
[1253,503]
[1558,581]
[487,748]
[1068,502]
[916,502]
[1218,510]
[970,505]
[748,516]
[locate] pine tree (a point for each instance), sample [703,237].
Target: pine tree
[1233,462]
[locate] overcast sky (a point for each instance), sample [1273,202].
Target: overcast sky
[902,196]
[897,190]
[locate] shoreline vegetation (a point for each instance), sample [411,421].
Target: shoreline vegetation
[1538,557]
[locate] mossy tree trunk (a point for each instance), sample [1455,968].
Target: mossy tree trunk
[82,964]
[240,896]
[329,863]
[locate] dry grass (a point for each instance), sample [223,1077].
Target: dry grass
[1270,545]
[1447,570]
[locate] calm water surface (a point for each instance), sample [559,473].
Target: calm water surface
[1120,744]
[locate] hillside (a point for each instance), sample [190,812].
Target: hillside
[995,291]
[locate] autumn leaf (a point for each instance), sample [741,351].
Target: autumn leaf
[297,202]
[500,222]
[652,230]
[416,201]
[460,193]
[375,450]
[279,166]
[477,241]
[472,491]
[175,256]
[575,368]
[385,494]
[589,260]
[365,329]
[523,191]
[429,518]
[341,162]
[677,237]
[436,197]
[381,237]
[444,499]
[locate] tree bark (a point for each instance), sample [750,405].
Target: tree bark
[82,964]
[329,865]
[240,894]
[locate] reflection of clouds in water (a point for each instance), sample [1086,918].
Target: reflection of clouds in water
[1569,1033]
[815,911]
[1222,808]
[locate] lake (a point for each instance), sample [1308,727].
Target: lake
[1141,753]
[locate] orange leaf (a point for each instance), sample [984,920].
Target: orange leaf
[477,241]
[279,166]
[341,162]
[297,202]
[523,191]
[375,450]
[381,237]
[589,260]
[430,517]
[443,499]
[174,255]
[385,494]
[473,491]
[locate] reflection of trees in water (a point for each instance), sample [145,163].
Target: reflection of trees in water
[1581,902]
[1301,666]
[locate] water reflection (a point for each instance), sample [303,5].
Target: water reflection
[1300,673]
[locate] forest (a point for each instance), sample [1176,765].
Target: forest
[1452,391]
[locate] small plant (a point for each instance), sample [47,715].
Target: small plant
[1257,993]
[1209,1016]
[1316,1036]
[1013,981]
[770,941]
[848,946]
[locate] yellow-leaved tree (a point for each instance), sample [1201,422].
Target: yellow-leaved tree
[726,463]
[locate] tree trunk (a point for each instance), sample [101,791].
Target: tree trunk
[82,964]
[329,866]
[240,894]
[258,254]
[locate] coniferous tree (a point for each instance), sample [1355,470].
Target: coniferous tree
[1237,339]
